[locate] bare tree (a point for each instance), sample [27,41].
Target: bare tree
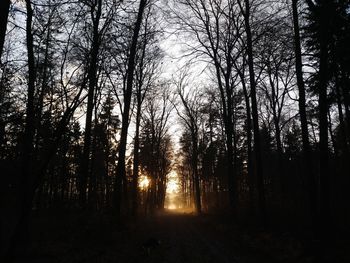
[216,29]
[121,175]
[4,12]
[190,116]
[308,172]
[148,59]
[245,8]
[155,146]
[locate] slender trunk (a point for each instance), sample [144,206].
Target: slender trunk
[278,135]
[331,133]
[44,85]
[30,109]
[136,161]
[17,242]
[92,200]
[4,12]
[344,143]
[230,155]
[257,146]
[308,170]
[278,180]
[120,171]
[139,98]
[249,145]
[197,192]
[227,131]
[92,78]
[323,122]
[346,96]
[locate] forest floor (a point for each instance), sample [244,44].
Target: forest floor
[166,237]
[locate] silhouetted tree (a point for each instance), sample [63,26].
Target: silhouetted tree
[5,8]
[121,176]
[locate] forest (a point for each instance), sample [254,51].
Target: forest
[175,131]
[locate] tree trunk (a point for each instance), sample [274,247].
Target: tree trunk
[120,172]
[92,77]
[136,161]
[344,141]
[308,170]
[257,146]
[230,155]
[197,192]
[4,12]
[323,120]
[228,132]
[249,145]
[25,193]
[346,96]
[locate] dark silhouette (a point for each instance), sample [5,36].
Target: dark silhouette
[5,8]
[174,131]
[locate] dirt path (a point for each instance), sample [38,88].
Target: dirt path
[185,238]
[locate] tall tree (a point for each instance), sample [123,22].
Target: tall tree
[213,25]
[4,12]
[191,118]
[27,177]
[155,145]
[148,59]
[246,12]
[120,172]
[96,12]
[321,17]
[308,170]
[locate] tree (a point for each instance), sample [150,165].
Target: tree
[155,145]
[216,30]
[190,116]
[121,174]
[33,168]
[309,174]
[246,12]
[148,59]
[96,12]
[4,12]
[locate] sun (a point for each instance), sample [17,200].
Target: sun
[144,182]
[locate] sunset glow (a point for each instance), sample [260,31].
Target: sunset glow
[144,182]
[173,186]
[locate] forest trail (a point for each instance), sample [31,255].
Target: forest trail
[166,237]
[185,238]
[182,237]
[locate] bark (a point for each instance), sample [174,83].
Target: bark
[331,133]
[120,172]
[227,118]
[308,170]
[277,181]
[31,175]
[25,194]
[4,12]
[257,146]
[197,191]
[323,120]
[44,83]
[136,160]
[346,96]
[344,144]
[191,121]
[92,78]
[140,96]
[230,155]
[249,145]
